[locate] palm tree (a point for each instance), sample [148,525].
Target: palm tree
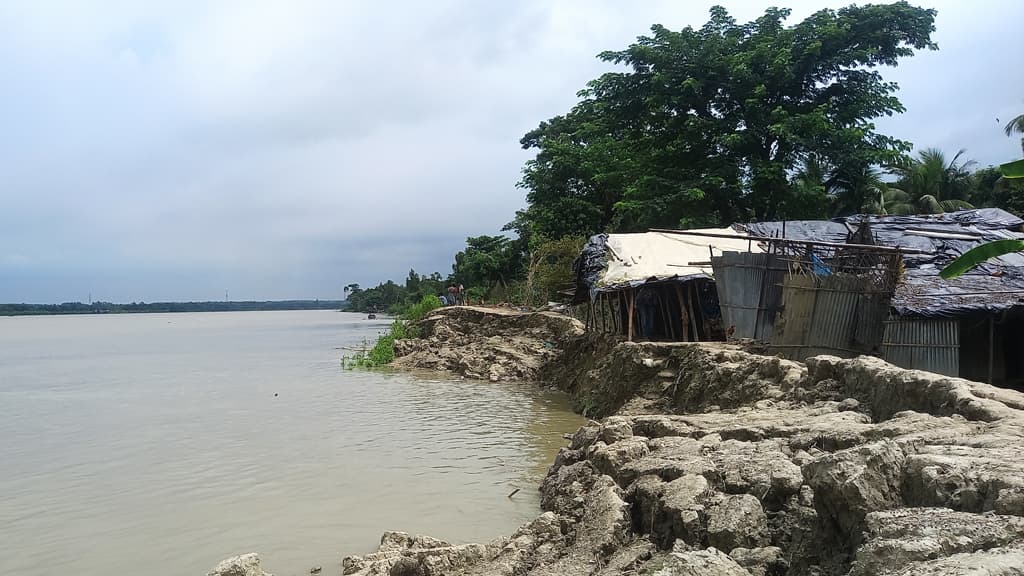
[898,202]
[1015,126]
[859,189]
[929,184]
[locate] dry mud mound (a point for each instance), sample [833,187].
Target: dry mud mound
[760,466]
[488,343]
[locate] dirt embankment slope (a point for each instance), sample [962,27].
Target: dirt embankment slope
[488,343]
[728,463]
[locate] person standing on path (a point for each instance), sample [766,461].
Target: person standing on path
[462,295]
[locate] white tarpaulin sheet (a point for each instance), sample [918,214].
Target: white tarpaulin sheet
[637,258]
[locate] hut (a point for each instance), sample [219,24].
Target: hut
[972,327]
[654,285]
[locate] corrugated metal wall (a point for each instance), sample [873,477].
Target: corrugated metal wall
[835,314]
[923,344]
[749,288]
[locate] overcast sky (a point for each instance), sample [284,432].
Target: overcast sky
[174,150]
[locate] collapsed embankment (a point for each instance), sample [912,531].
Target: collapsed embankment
[488,343]
[724,463]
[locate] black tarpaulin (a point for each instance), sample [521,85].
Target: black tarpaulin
[591,262]
[995,286]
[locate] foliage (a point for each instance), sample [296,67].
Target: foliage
[929,184]
[978,255]
[707,126]
[550,269]
[394,298]
[1015,125]
[383,351]
[1013,169]
[993,190]
[488,261]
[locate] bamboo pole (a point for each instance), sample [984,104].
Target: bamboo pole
[632,305]
[991,346]
[612,308]
[703,316]
[693,317]
[663,305]
[684,318]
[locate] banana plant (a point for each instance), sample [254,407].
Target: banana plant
[980,254]
[1013,169]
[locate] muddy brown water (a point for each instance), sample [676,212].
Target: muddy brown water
[162,443]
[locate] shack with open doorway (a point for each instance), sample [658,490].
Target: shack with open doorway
[654,285]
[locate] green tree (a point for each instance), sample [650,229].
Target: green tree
[1015,126]
[413,286]
[488,261]
[931,184]
[550,268]
[860,190]
[993,190]
[812,190]
[707,126]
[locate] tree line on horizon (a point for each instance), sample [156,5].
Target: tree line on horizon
[155,307]
[729,122]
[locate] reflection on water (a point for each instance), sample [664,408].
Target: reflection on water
[161,443]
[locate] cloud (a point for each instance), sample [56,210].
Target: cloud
[172,150]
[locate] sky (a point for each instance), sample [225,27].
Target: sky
[178,150]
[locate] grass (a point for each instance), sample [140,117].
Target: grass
[383,351]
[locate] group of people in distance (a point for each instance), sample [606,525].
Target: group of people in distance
[456,296]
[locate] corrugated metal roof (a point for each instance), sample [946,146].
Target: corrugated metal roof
[995,286]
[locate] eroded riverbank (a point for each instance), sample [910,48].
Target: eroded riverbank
[727,463]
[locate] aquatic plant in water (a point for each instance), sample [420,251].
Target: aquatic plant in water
[383,351]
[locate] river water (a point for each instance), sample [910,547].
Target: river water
[163,443]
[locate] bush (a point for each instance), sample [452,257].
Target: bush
[419,311]
[383,351]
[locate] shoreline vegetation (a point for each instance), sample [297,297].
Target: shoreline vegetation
[157,307]
[406,325]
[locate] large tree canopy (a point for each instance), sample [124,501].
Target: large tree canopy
[710,125]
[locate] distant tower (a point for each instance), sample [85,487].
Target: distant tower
[225,295]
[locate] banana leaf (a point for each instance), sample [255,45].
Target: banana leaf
[978,255]
[1013,169]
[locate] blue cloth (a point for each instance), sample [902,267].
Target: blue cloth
[820,268]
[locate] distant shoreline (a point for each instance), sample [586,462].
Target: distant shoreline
[157,307]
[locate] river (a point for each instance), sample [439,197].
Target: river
[163,443]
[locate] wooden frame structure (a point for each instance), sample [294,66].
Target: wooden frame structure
[677,316]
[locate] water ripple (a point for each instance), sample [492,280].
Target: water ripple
[157,440]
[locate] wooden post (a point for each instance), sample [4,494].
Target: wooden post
[663,305]
[684,318]
[611,309]
[703,315]
[623,311]
[632,304]
[991,346]
[689,308]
